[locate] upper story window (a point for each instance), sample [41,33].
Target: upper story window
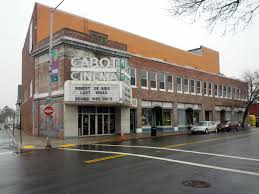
[198,87]
[169,83]
[162,81]
[179,84]
[229,92]
[205,89]
[215,90]
[133,76]
[210,89]
[185,85]
[192,89]
[224,91]
[237,93]
[153,77]
[144,78]
[220,90]
[233,93]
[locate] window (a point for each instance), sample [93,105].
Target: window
[233,93]
[198,87]
[133,76]
[192,89]
[146,117]
[170,83]
[229,92]
[185,85]
[220,91]
[215,90]
[153,77]
[167,119]
[237,94]
[144,77]
[162,81]
[210,89]
[224,91]
[205,89]
[179,84]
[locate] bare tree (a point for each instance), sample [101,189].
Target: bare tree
[252,78]
[235,15]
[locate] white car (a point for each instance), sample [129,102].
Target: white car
[205,126]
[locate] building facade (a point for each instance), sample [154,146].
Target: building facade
[107,81]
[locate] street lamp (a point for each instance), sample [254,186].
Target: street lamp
[52,11]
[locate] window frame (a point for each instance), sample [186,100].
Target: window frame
[181,79]
[188,89]
[210,91]
[153,80]
[194,85]
[172,83]
[216,90]
[135,72]
[206,89]
[163,89]
[200,93]
[144,87]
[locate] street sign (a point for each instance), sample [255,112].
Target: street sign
[48,111]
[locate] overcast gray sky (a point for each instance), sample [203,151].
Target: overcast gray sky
[147,18]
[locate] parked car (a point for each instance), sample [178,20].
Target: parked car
[257,122]
[228,126]
[205,127]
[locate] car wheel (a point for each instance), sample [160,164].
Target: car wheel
[206,131]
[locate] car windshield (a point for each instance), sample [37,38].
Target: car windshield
[203,124]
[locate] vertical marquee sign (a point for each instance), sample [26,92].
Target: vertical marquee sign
[98,81]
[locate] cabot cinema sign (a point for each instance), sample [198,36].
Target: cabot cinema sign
[98,81]
[94,69]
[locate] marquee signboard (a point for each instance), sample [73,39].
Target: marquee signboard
[98,81]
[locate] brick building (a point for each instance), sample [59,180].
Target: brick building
[105,80]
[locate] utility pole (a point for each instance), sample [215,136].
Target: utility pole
[49,119]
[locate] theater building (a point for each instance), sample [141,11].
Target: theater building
[107,81]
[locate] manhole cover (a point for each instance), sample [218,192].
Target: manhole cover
[196,184]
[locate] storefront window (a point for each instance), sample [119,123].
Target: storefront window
[167,119]
[146,117]
[181,117]
[196,116]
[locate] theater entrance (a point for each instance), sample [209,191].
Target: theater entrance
[96,121]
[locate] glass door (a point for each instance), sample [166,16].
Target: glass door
[100,124]
[85,124]
[92,124]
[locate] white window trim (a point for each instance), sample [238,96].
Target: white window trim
[134,86]
[226,92]
[151,81]
[199,94]
[181,91]
[206,88]
[215,96]
[162,90]
[172,83]
[188,90]
[211,95]
[143,87]
[193,93]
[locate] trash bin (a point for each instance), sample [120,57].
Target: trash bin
[153,131]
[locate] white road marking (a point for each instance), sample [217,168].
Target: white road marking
[180,150]
[170,160]
[5,153]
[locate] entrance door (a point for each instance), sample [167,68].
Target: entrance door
[85,128]
[133,120]
[92,125]
[222,116]
[100,124]
[189,116]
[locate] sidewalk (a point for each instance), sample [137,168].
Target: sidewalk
[35,142]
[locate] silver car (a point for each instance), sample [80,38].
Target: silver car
[205,127]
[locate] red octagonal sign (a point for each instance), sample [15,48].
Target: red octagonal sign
[48,111]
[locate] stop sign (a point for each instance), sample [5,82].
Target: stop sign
[48,111]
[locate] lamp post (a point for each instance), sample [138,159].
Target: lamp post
[20,119]
[52,11]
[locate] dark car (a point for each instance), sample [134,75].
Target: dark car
[257,122]
[228,126]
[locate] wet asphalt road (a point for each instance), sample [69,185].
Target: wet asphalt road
[147,170]
[5,143]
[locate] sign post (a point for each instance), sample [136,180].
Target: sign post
[48,111]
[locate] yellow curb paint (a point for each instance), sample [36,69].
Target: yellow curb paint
[207,140]
[66,145]
[105,158]
[28,147]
